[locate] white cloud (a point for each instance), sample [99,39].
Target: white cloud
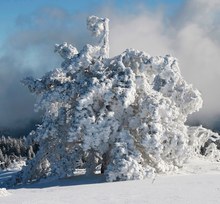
[190,35]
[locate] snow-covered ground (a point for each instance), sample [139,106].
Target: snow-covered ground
[197,182]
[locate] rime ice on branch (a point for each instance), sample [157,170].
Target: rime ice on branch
[99,27]
[124,114]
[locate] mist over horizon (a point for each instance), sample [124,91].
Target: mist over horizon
[191,33]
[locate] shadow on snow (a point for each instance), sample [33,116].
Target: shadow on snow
[45,183]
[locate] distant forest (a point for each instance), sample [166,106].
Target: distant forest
[13,150]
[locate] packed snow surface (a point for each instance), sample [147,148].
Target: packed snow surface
[4,192]
[198,182]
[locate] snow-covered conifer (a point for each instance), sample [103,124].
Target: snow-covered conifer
[126,114]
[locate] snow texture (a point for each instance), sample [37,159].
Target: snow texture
[3,192]
[197,182]
[126,114]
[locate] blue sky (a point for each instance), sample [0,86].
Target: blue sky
[11,10]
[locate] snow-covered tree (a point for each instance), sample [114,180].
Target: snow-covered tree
[126,114]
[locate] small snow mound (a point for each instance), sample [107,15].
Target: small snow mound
[200,166]
[17,165]
[4,192]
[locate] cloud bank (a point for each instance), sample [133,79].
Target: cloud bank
[29,52]
[191,34]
